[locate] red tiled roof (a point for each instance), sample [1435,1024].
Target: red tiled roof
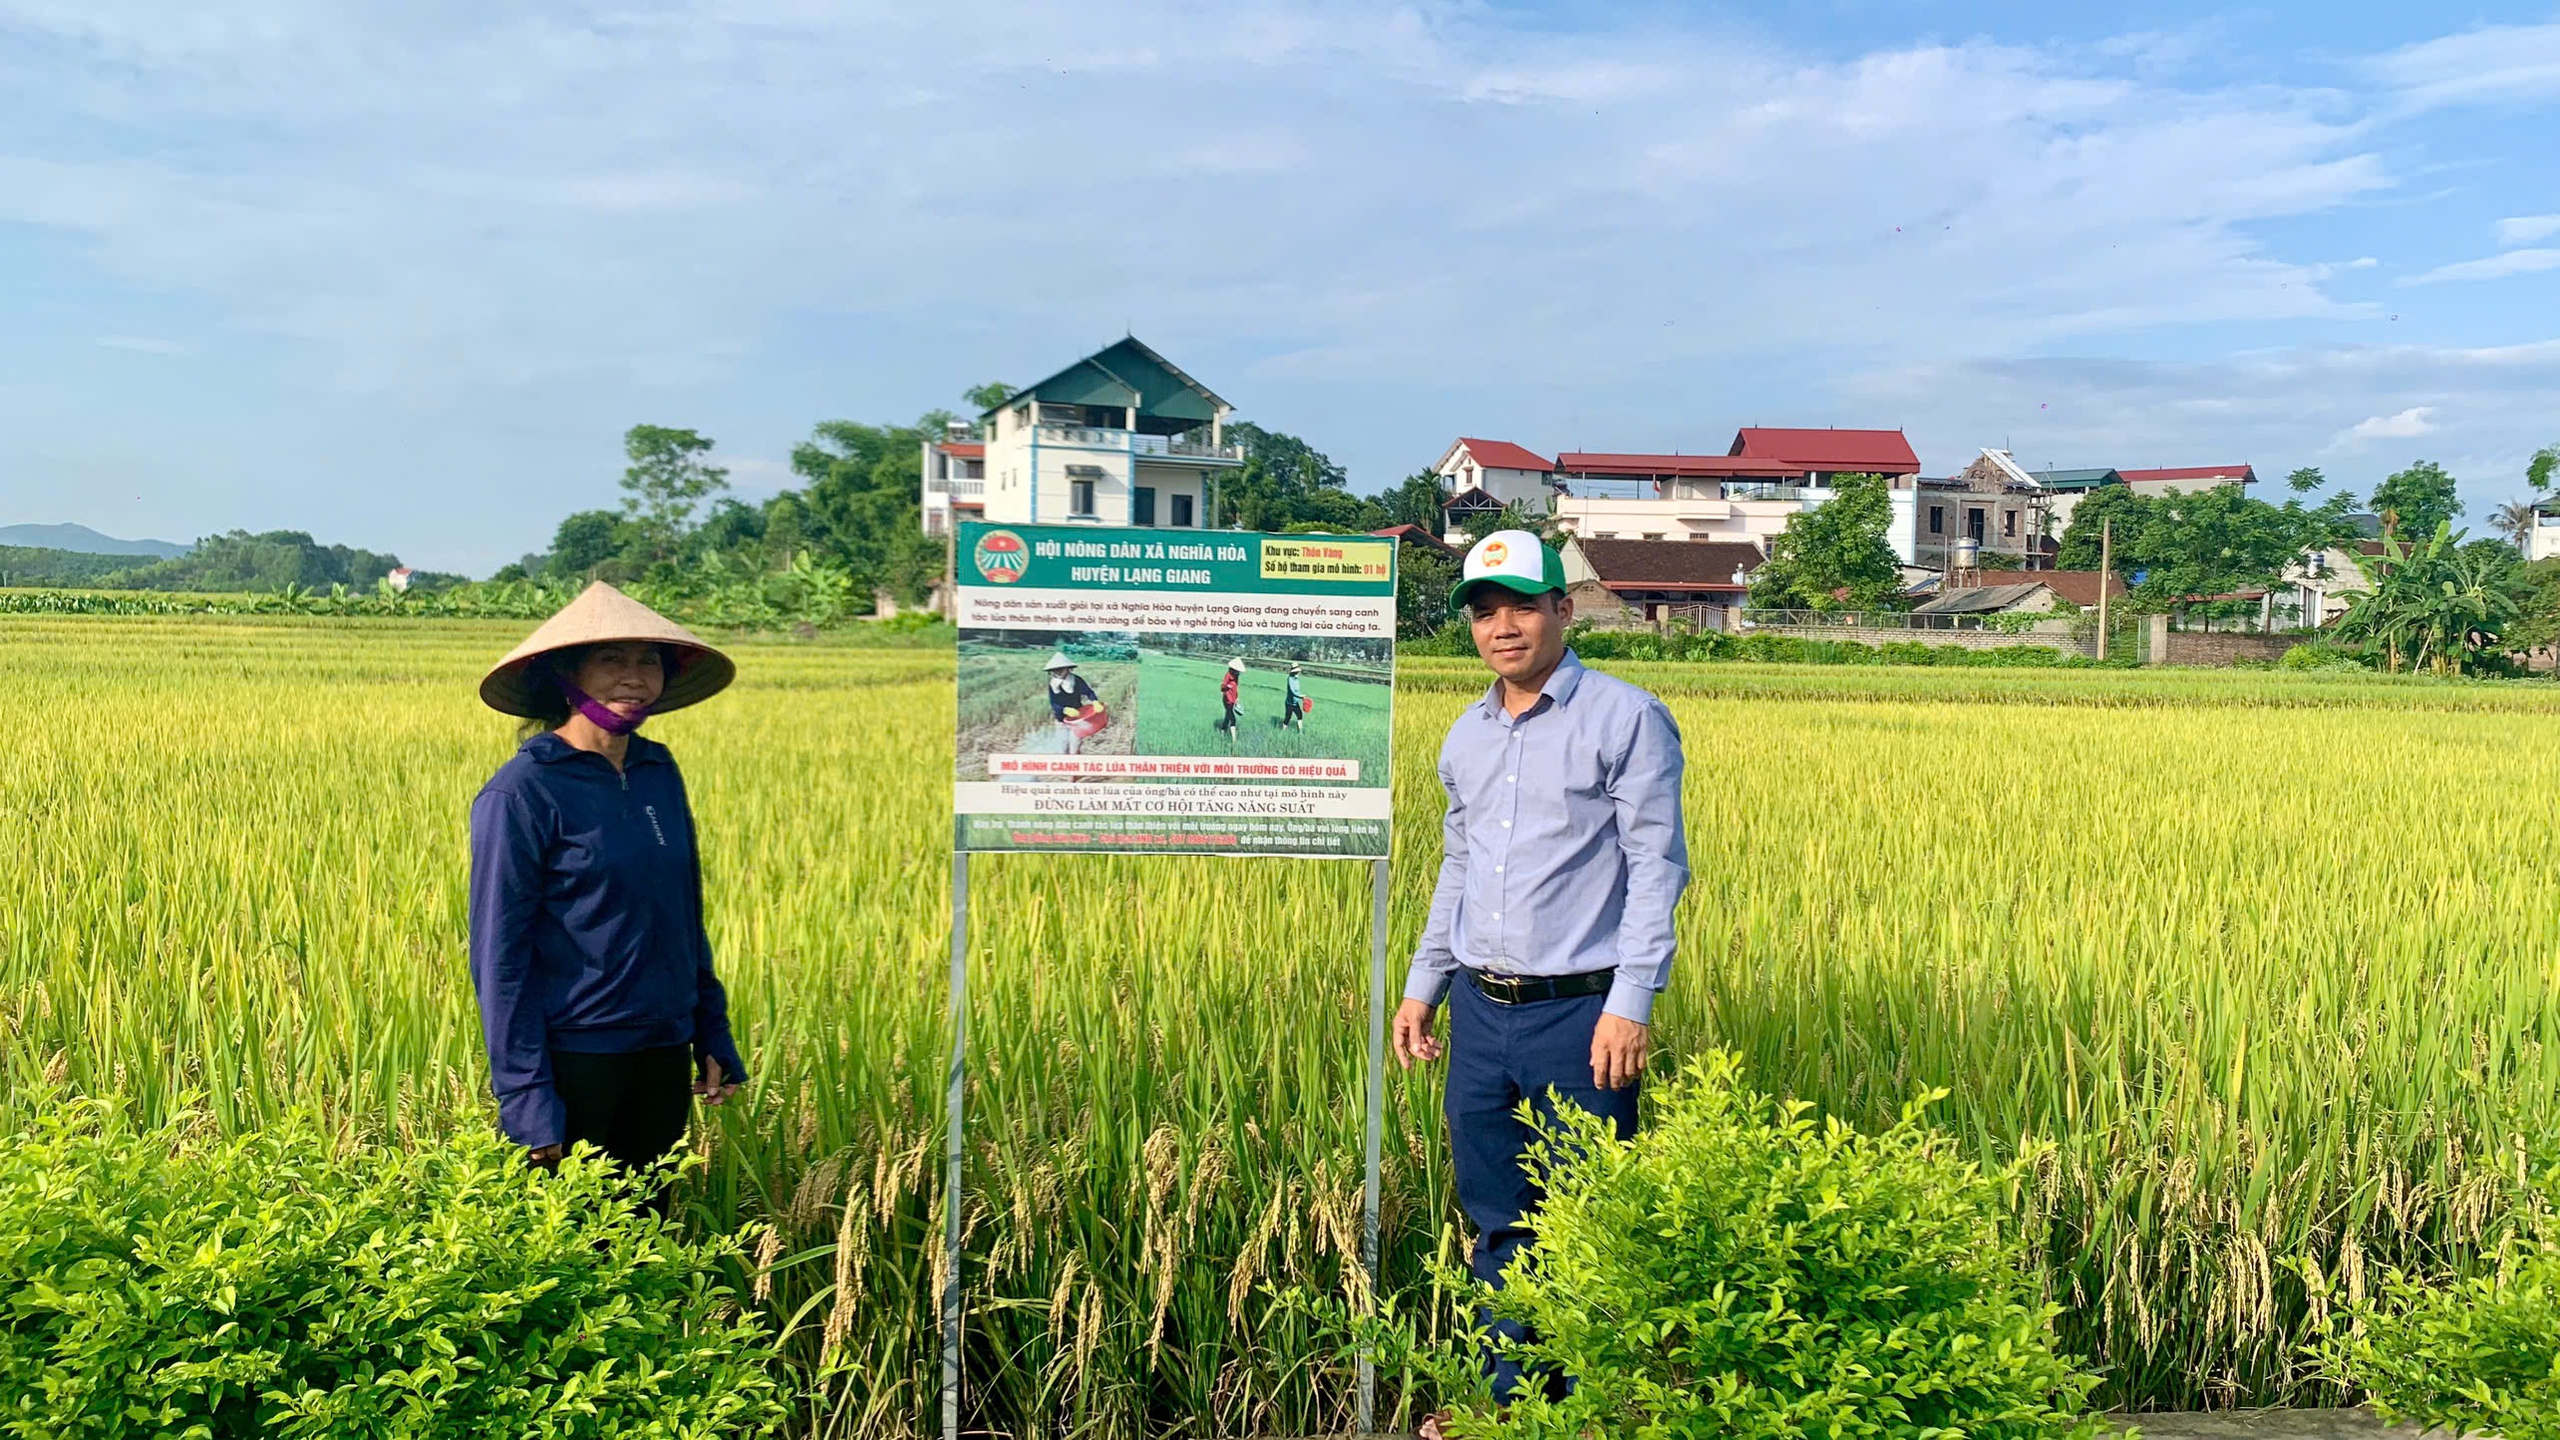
[1503,455]
[967,450]
[1880,452]
[2080,587]
[2242,473]
[1594,463]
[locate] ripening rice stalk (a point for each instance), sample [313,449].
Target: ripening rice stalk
[2251,969]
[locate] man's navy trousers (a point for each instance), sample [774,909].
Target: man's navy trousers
[1498,1056]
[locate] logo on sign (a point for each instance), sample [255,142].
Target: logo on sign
[1495,552]
[1001,557]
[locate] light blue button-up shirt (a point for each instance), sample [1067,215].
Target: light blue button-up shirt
[1563,850]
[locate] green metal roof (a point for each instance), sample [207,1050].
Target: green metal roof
[2076,479]
[1109,376]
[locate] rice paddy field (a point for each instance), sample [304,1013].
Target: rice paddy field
[2252,971]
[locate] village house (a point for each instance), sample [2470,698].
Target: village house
[1121,437]
[1483,476]
[1989,514]
[2190,478]
[1743,496]
[955,478]
[1630,582]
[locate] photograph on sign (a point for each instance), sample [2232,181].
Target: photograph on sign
[1174,692]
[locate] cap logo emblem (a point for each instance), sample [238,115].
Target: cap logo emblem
[1495,552]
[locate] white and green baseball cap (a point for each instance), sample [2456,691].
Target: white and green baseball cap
[1513,559]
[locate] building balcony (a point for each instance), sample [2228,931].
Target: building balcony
[962,490]
[1127,442]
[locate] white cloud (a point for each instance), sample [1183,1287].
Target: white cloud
[2409,424]
[458,201]
[2496,63]
[2525,229]
[2493,267]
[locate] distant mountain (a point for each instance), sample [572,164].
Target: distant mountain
[81,540]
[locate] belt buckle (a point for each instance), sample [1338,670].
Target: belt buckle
[1499,988]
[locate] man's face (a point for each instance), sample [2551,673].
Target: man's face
[1519,636]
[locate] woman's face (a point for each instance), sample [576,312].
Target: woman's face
[626,677]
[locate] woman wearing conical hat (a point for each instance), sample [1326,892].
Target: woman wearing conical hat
[1072,704]
[597,995]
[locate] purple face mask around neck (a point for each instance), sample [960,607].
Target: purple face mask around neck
[601,716]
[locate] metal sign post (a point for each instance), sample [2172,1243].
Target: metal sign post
[953,1100]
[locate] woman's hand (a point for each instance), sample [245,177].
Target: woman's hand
[713,1086]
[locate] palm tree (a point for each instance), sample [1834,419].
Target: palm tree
[2514,520]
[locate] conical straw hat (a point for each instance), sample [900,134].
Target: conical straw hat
[599,616]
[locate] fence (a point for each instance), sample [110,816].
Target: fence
[1973,632]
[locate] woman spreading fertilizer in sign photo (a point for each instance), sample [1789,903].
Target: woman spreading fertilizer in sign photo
[597,997]
[1073,704]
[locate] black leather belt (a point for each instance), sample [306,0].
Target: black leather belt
[1526,989]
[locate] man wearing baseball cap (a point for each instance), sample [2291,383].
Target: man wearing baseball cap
[1550,930]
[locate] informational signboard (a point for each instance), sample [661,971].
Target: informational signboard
[1174,691]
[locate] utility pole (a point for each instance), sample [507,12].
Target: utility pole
[2106,568]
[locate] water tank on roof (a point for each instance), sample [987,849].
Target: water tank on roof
[1968,554]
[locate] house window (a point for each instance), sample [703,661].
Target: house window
[1142,505]
[1182,512]
[1973,523]
[1937,519]
[1080,499]
[2009,524]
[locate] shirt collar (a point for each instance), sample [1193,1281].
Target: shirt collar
[548,748]
[1559,688]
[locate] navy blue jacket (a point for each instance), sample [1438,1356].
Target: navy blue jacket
[586,922]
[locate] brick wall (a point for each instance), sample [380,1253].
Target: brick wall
[1898,635]
[2196,647]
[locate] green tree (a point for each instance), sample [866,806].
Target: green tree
[2536,626]
[860,506]
[1423,579]
[982,398]
[2305,480]
[2191,545]
[1416,500]
[586,542]
[2080,548]
[2416,500]
[1284,482]
[1834,554]
[2543,469]
[668,477]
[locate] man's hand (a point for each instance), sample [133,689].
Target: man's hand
[1412,1031]
[711,1085]
[1617,1051]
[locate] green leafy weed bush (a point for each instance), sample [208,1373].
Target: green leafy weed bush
[292,1283]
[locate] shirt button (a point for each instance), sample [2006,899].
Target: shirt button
[1497,914]
[1506,824]
[1497,869]
[1510,779]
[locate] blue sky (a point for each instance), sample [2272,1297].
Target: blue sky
[401,275]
